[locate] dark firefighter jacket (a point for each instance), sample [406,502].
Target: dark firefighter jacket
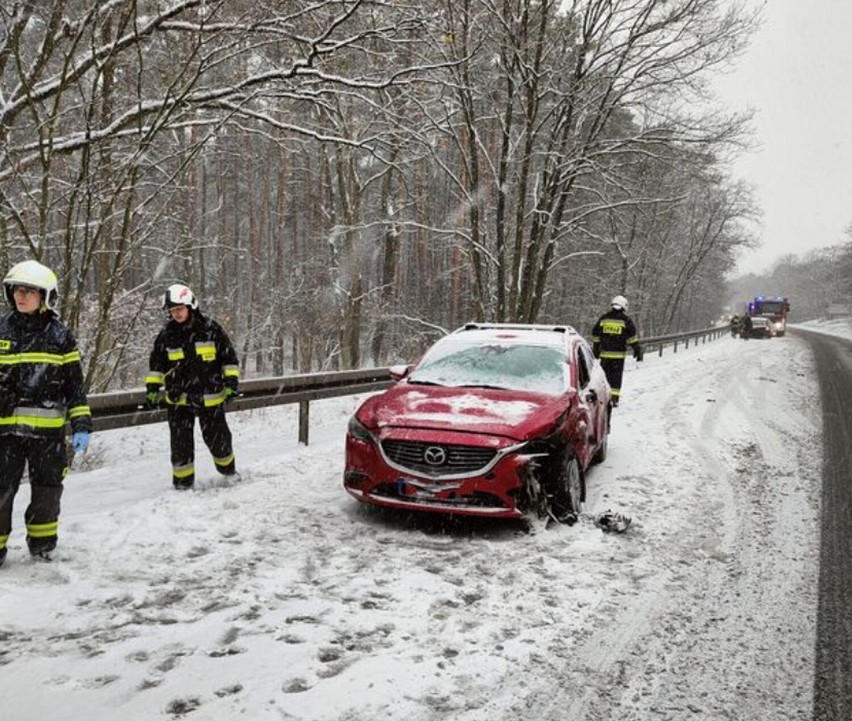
[613,334]
[41,377]
[194,361]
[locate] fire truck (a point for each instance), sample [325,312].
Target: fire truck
[774,309]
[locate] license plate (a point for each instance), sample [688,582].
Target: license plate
[411,488]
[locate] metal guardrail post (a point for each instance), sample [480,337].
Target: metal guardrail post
[304,421]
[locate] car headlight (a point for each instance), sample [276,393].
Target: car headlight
[359,431]
[537,447]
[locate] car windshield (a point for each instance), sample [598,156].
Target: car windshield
[513,367]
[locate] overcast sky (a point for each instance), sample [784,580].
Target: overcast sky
[797,75]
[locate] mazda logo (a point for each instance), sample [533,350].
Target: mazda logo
[435,456]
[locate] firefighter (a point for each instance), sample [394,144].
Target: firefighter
[41,387]
[194,370]
[735,325]
[612,335]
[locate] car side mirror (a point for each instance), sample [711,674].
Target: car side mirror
[591,396]
[398,372]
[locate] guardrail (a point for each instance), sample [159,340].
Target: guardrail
[664,341]
[123,409]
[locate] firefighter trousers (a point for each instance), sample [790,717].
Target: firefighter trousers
[216,435]
[47,463]
[614,370]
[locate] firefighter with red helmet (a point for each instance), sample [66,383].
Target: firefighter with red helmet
[612,337]
[194,370]
[41,389]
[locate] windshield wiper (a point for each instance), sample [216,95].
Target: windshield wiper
[483,385]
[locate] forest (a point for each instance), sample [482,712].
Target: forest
[814,282]
[342,181]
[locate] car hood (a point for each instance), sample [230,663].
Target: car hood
[512,414]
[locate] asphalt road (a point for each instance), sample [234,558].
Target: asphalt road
[833,677]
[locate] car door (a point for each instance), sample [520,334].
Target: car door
[595,393]
[585,420]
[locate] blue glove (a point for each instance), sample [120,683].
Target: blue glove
[80,441]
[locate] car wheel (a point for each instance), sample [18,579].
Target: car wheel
[568,491]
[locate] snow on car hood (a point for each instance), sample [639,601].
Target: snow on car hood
[468,410]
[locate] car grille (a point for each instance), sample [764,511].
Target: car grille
[458,459]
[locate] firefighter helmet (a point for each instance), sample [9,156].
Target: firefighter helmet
[179,294]
[620,303]
[32,274]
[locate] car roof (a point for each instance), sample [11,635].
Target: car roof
[554,336]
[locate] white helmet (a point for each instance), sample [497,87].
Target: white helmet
[620,303]
[32,274]
[179,294]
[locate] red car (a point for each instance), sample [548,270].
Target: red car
[495,420]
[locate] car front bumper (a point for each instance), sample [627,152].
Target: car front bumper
[492,493]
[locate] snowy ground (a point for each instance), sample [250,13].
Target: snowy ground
[282,598]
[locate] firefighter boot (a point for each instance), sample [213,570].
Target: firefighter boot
[41,548]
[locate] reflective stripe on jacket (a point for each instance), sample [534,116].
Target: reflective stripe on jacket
[194,362]
[41,368]
[612,335]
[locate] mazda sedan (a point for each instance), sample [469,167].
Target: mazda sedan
[495,420]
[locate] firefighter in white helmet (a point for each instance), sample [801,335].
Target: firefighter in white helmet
[194,371]
[41,389]
[613,336]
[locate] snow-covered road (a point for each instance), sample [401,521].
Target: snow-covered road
[282,598]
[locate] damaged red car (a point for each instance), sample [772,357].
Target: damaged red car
[495,420]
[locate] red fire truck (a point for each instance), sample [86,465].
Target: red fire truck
[774,309]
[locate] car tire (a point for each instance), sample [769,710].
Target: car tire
[568,489]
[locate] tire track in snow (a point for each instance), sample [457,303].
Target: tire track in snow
[761,568]
[681,618]
[604,658]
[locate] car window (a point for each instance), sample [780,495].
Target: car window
[584,363]
[515,367]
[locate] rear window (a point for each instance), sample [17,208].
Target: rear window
[514,367]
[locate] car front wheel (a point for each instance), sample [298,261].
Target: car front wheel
[568,491]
